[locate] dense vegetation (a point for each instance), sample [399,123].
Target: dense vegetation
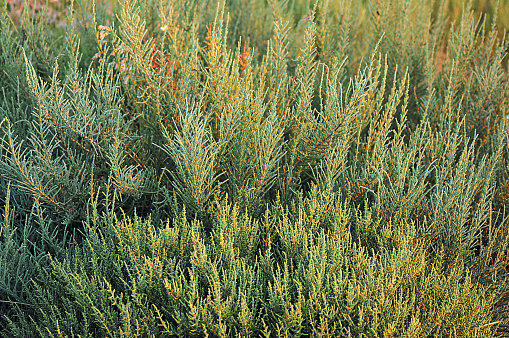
[254,168]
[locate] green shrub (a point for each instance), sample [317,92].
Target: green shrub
[186,169]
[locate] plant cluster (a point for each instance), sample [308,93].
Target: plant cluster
[185,168]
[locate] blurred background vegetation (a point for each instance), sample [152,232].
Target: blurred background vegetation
[58,12]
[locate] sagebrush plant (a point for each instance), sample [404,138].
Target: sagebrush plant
[254,168]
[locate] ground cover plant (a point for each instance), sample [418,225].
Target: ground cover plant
[254,168]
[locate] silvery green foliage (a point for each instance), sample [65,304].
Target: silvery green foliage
[194,153]
[252,168]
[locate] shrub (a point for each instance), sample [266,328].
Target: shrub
[186,169]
